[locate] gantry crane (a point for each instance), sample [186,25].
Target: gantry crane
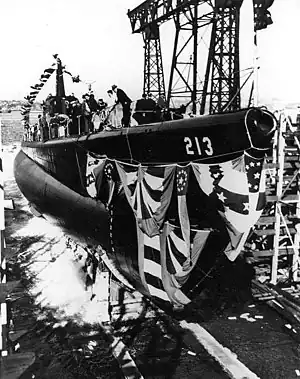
[220,89]
[223,58]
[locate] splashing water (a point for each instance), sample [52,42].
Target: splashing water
[59,280]
[59,277]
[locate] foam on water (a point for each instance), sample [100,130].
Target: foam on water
[59,279]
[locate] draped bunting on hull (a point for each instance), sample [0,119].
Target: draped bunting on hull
[169,243]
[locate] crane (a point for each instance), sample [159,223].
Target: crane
[220,89]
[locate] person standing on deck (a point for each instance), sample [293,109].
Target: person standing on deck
[86,114]
[76,116]
[94,109]
[93,103]
[125,101]
[113,114]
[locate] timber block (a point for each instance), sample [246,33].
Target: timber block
[14,336]
[13,366]
[7,288]
[9,204]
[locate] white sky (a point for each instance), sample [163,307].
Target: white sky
[94,39]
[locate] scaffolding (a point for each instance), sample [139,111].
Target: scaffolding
[276,236]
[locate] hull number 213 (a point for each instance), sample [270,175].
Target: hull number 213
[193,146]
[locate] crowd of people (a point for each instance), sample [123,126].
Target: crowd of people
[69,116]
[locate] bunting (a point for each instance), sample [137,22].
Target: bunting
[150,265]
[49,70]
[182,179]
[236,189]
[112,179]
[148,190]
[25,110]
[75,79]
[94,174]
[177,262]
[165,265]
[37,87]
[168,253]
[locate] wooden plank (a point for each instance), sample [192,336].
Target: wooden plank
[287,165]
[270,252]
[14,336]
[295,133]
[271,232]
[13,366]
[290,177]
[287,295]
[265,220]
[288,198]
[270,165]
[291,158]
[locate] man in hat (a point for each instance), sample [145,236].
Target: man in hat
[86,114]
[125,101]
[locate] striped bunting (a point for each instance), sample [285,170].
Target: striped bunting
[168,253]
[150,265]
[93,174]
[180,263]
[237,186]
[148,191]
[176,253]
[182,180]
[164,264]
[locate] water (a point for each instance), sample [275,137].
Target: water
[15,115]
[62,318]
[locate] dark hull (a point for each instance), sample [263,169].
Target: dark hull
[52,176]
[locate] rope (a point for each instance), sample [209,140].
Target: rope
[128,143]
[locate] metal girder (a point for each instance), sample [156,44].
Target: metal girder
[224,62]
[158,11]
[184,79]
[154,82]
[223,58]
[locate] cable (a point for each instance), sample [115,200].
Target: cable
[128,143]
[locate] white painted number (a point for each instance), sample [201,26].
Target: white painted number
[198,146]
[188,146]
[208,150]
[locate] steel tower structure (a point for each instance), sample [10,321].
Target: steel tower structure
[222,68]
[154,82]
